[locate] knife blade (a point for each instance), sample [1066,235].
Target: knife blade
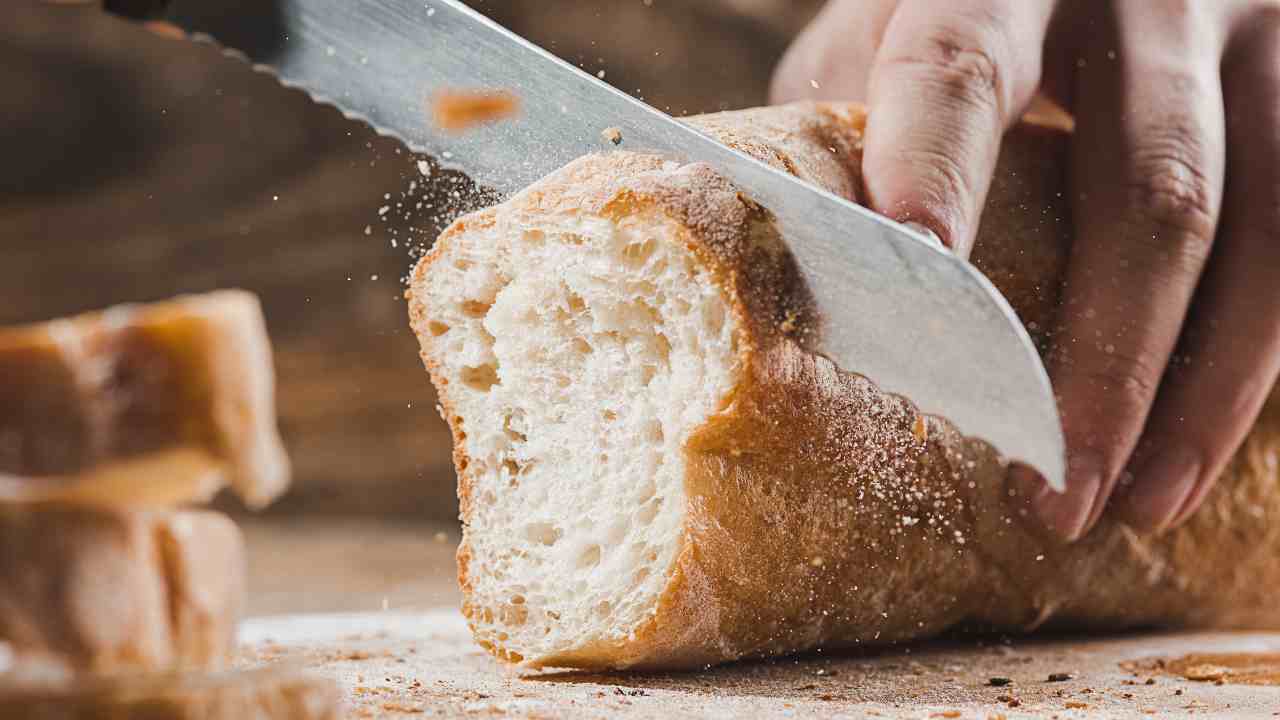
[912,317]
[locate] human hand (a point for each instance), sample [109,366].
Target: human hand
[1170,331]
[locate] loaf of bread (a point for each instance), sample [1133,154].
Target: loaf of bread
[98,591]
[654,472]
[149,404]
[264,694]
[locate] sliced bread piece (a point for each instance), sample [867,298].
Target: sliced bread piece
[93,591]
[142,404]
[654,472]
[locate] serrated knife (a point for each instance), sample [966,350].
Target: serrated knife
[912,317]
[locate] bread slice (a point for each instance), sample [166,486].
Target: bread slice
[654,472]
[90,591]
[152,404]
[273,693]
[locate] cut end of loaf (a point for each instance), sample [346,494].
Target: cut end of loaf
[574,351]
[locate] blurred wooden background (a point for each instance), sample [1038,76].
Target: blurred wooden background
[133,168]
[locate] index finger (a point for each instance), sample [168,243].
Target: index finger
[944,87]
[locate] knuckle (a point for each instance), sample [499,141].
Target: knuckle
[1171,194]
[1126,383]
[969,71]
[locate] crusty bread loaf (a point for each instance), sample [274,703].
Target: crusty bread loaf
[655,473]
[142,404]
[91,591]
[274,693]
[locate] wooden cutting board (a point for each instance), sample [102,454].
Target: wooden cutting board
[423,664]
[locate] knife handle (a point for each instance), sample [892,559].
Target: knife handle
[130,9]
[136,9]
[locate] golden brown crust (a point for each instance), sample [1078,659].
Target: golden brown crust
[262,694]
[83,396]
[103,592]
[822,512]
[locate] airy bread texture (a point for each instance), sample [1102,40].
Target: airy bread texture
[142,404]
[655,473]
[88,591]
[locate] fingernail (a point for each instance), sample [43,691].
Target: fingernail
[1161,488]
[1067,513]
[926,232]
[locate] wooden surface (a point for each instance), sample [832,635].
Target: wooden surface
[380,605]
[136,168]
[397,664]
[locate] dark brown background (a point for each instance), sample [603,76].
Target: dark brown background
[134,168]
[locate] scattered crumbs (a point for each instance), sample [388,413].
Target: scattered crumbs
[368,229]
[789,322]
[613,135]
[920,428]
[459,110]
[814,84]
[1040,558]
[1060,676]
[1178,691]
[634,692]
[397,707]
[424,168]
[600,74]
[1150,681]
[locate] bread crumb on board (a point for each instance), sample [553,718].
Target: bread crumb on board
[458,110]
[612,134]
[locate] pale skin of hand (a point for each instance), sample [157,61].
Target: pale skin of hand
[1169,340]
